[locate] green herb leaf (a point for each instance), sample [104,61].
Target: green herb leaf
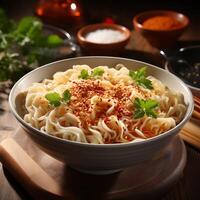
[53,98]
[29,26]
[97,72]
[10,67]
[139,113]
[139,76]
[143,107]
[66,95]
[28,31]
[84,74]
[145,83]
[140,73]
[151,113]
[150,104]
[54,40]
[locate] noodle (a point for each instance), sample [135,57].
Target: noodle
[101,108]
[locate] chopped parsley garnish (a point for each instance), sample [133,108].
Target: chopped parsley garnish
[139,76]
[84,74]
[96,72]
[66,95]
[55,99]
[145,107]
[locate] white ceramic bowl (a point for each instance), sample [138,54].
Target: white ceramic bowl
[100,158]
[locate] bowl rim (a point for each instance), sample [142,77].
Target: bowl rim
[124,29]
[136,23]
[60,30]
[189,48]
[89,145]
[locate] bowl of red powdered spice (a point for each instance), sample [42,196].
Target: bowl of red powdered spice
[161,28]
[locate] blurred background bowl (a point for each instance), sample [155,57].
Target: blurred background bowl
[161,38]
[68,49]
[113,48]
[185,63]
[99,158]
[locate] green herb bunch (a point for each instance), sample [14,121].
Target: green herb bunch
[23,46]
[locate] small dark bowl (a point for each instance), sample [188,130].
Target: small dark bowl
[185,63]
[92,48]
[161,38]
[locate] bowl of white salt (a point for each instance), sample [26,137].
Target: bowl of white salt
[103,39]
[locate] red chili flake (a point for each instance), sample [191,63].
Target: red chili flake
[106,119]
[119,116]
[84,90]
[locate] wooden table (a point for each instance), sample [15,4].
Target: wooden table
[186,188]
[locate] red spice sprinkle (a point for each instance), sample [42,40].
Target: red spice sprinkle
[84,90]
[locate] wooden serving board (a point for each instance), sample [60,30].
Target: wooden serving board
[46,178]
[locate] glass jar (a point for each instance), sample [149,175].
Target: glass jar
[61,13]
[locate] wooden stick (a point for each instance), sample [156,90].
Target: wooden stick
[196,103]
[197,106]
[196,114]
[191,133]
[190,140]
[196,99]
[192,128]
[193,137]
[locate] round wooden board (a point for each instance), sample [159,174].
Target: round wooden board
[149,180]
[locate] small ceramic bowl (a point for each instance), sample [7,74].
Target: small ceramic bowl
[106,47]
[99,158]
[185,63]
[161,38]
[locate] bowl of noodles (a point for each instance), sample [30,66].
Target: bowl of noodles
[101,114]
